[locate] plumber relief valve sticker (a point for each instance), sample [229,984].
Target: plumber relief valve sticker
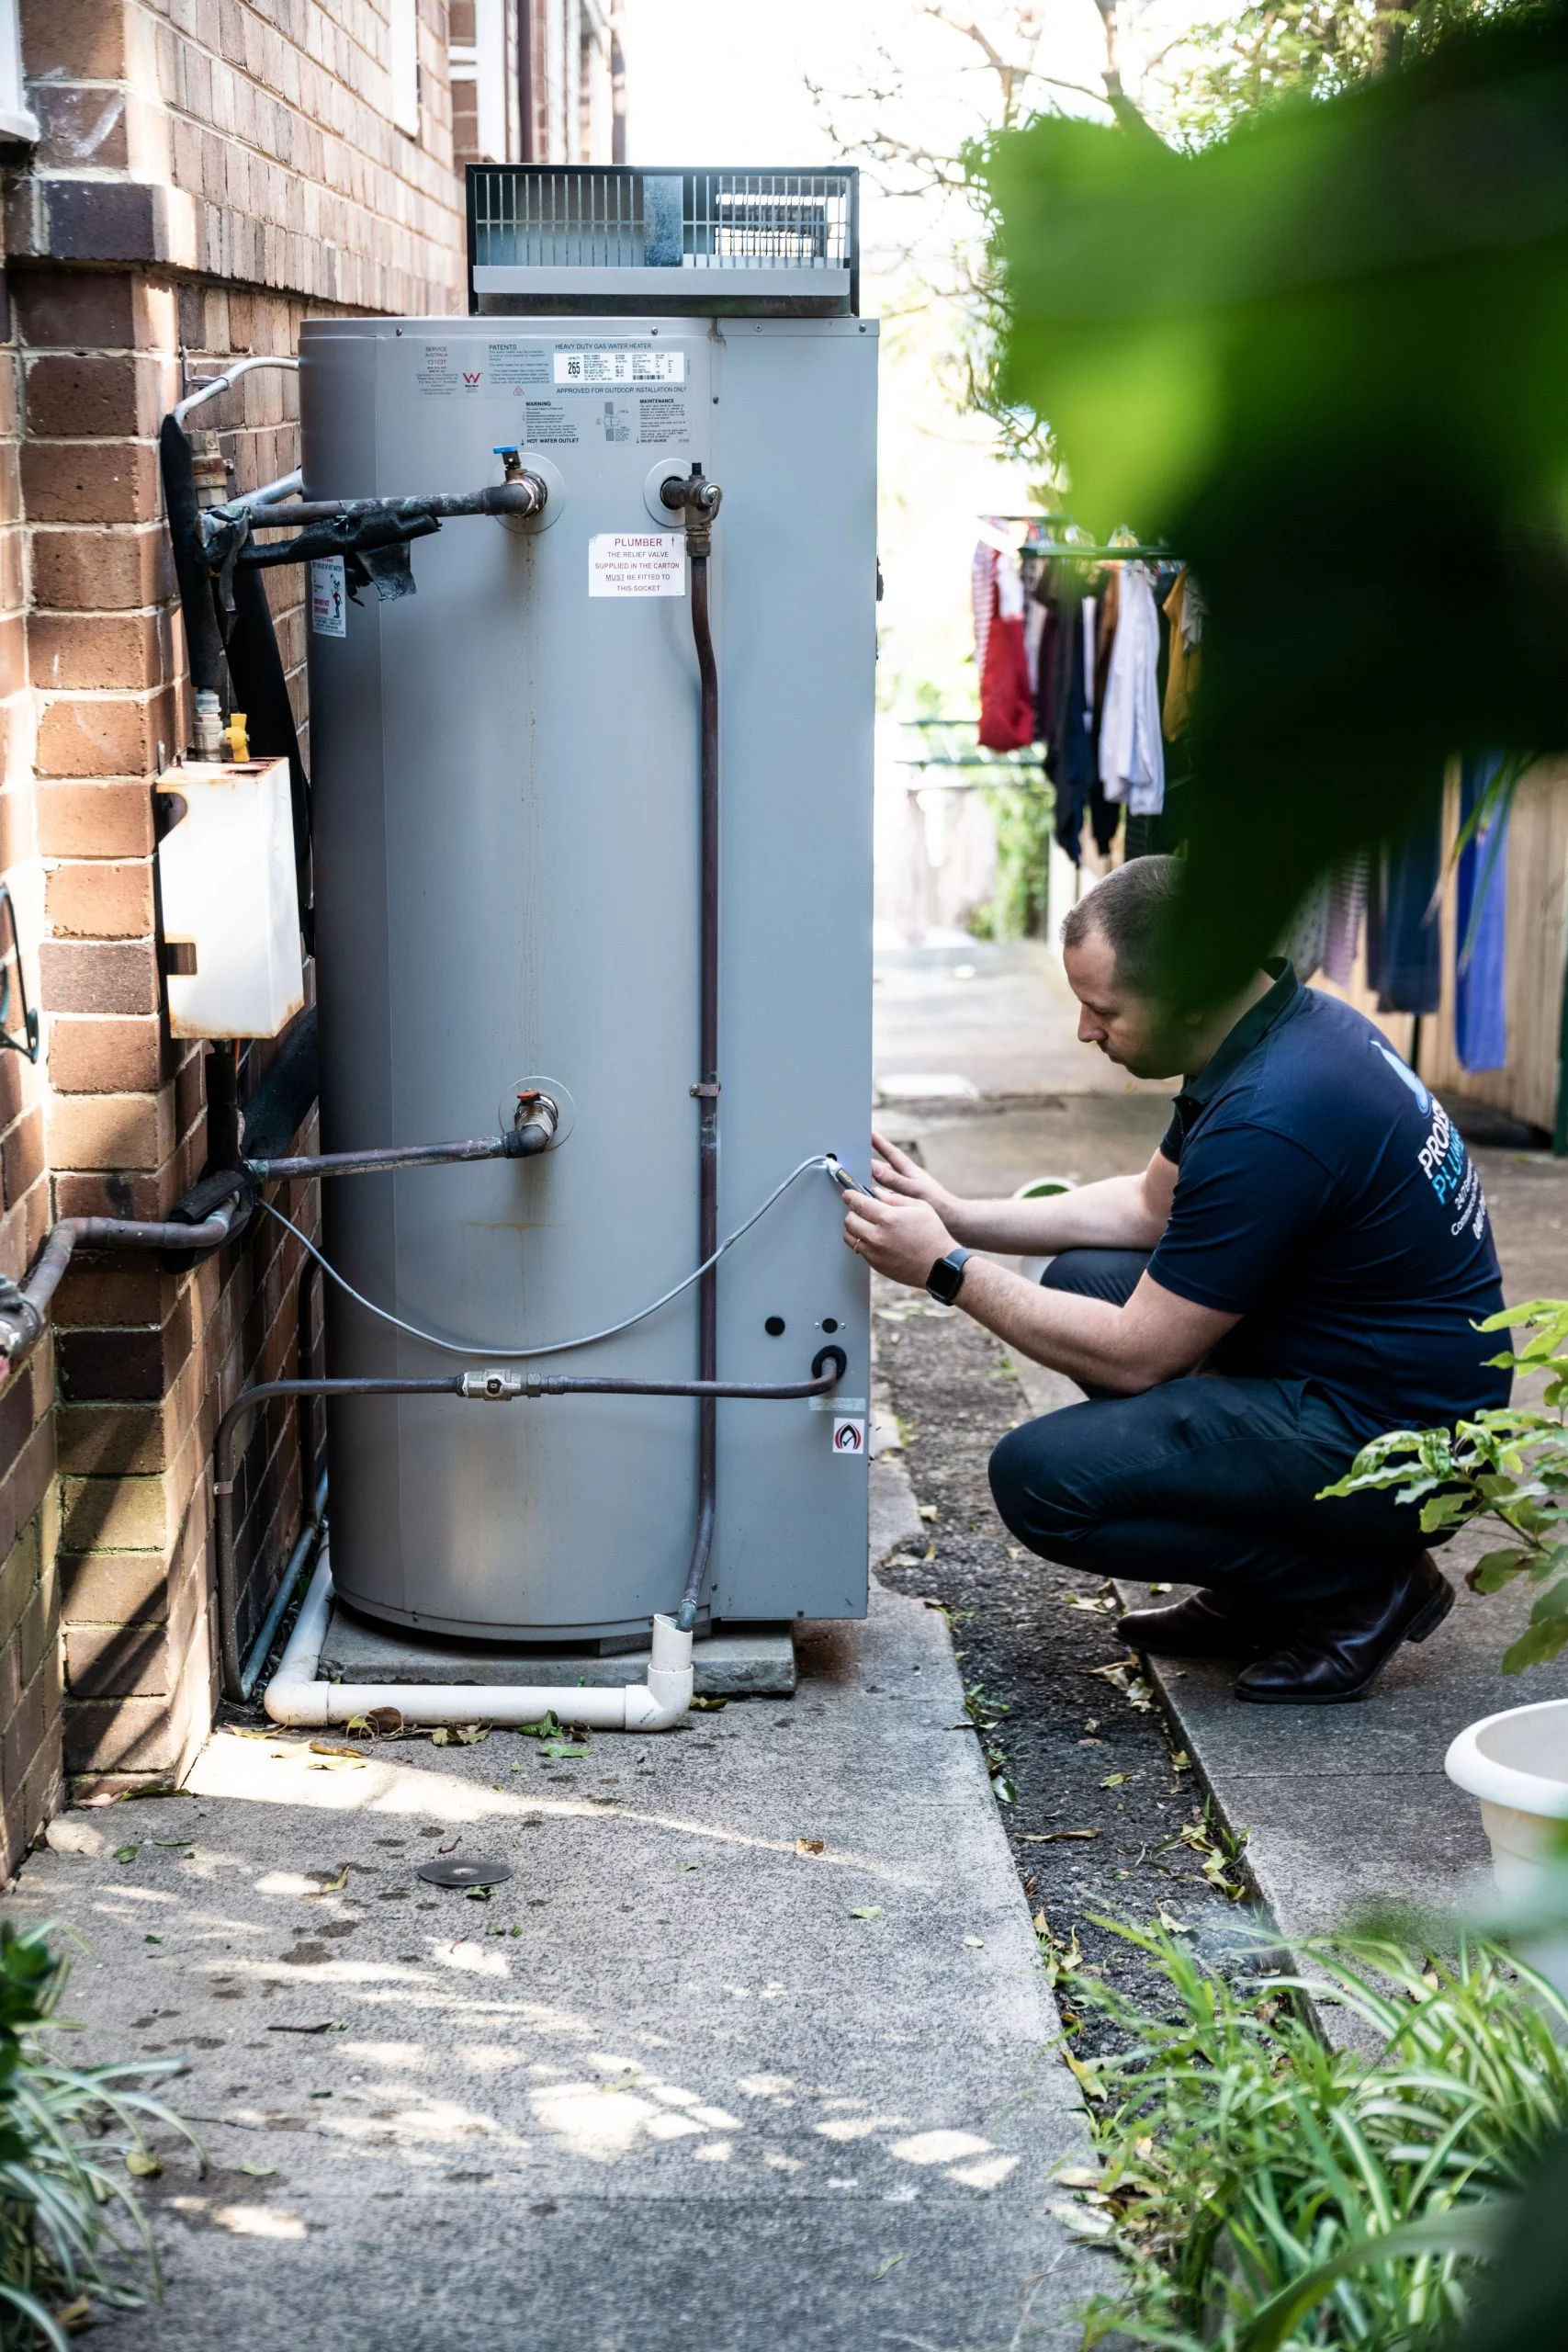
[636,564]
[329,616]
[623,364]
[849,1438]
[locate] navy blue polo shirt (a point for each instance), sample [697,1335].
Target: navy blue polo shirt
[1325,1196]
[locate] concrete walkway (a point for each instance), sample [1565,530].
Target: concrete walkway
[682,2080]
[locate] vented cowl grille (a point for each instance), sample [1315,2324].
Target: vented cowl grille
[586,237]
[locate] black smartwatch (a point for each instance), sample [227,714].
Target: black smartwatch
[946,1277]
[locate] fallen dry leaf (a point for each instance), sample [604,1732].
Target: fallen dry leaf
[1078,2176]
[1054,1837]
[976,1944]
[867,1911]
[1114,1779]
[142,2163]
[259,2172]
[928,1510]
[74,2314]
[708,1706]
[1173,1927]
[811,1845]
[334,1885]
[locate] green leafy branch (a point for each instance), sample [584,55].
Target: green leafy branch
[1509,1466]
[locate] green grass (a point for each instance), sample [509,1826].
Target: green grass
[73,2240]
[1238,2154]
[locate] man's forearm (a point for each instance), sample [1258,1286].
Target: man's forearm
[1089,1339]
[1112,1214]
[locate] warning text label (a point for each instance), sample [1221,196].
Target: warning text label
[636,564]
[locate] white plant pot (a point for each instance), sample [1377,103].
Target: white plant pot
[1517,1763]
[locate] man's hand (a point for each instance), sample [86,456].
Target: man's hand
[901,1238]
[896,1175]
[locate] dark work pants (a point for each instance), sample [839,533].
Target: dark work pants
[1210,1480]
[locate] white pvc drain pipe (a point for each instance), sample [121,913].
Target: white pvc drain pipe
[295,1696]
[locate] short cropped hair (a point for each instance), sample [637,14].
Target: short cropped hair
[1132,910]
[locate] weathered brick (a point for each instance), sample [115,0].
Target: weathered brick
[23,1736]
[89,310]
[17,835]
[97,898]
[103,734]
[24,1486]
[81,128]
[105,1056]
[132,1661]
[90,481]
[18,1579]
[13,654]
[126,652]
[134,1366]
[95,821]
[82,39]
[111,1130]
[109,1441]
[84,977]
[106,571]
[92,395]
[115,1514]
[114,1588]
[21,1155]
[124,1192]
[121,1735]
[18,1415]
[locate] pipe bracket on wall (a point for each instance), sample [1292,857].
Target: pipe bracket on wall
[28,1042]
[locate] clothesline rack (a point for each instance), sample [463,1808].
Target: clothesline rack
[1022,769]
[1066,551]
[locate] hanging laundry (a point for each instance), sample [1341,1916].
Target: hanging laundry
[1132,747]
[1404,938]
[1183,608]
[1067,714]
[1305,941]
[1007,701]
[1480,1003]
[1346,910]
[1046,662]
[983,599]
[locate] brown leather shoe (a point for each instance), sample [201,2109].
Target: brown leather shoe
[1203,1626]
[1342,1648]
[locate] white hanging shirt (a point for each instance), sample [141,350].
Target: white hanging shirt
[1132,747]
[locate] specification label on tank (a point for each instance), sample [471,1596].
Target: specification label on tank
[630,364]
[636,564]
[329,616]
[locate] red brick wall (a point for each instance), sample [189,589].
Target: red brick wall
[209,172]
[206,178]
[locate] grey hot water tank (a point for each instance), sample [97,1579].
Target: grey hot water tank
[505,771]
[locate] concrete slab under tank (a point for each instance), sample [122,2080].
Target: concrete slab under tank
[752,1661]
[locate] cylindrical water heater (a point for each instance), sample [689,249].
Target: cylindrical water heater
[505,777]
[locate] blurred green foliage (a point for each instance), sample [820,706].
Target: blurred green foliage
[1237,65]
[1324,357]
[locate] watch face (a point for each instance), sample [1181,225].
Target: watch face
[945,1279]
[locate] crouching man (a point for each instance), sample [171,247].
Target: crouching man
[1299,1267]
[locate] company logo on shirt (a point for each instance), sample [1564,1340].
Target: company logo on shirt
[1451,1174]
[1407,1076]
[1444,1161]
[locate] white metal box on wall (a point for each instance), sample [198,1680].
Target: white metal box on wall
[228,897]
[505,774]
